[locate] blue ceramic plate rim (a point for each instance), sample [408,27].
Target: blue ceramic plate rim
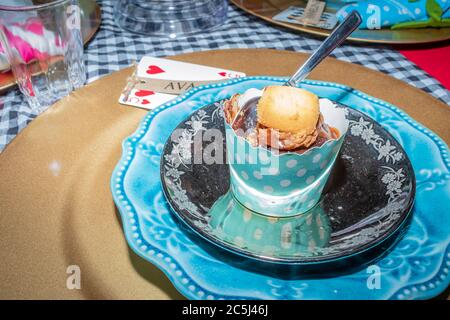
[424,290]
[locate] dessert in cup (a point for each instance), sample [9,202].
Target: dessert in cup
[281,148]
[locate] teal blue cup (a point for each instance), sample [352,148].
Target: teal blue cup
[288,183]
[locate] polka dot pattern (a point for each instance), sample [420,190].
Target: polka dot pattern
[258,234]
[323,164]
[387,12]
[310,179]
[257,175]
[301,172]
[291,163]
[285,183]
[279,175]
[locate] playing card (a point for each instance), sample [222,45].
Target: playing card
[165,79]
[146,99]
[158,68]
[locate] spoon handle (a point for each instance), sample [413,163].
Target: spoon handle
[338,36]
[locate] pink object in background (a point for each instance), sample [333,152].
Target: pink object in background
[32,41]
[44,46]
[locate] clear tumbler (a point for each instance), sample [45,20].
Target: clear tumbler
[43,44]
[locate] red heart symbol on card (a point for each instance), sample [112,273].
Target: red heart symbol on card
[145,101]
[154,69]
[143,93]
[223,74]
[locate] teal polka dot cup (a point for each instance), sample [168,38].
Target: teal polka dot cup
[288,183]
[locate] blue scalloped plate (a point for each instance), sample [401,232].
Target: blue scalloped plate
[417,268]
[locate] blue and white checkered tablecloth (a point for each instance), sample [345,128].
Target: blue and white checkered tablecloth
[113,49]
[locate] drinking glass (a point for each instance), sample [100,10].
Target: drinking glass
[170,18]
[42,42]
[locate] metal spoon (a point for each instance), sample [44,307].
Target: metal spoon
[351,22]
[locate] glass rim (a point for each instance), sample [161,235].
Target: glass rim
[32,7]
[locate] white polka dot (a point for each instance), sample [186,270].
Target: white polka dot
[258,234]
[285,183]
[321,233]
[268,189]
[417,11]
[244,175]
[257,175]
[317,158]
[291,163]
[274,171]
[247,215]
[239,241]
[272,220]
[301,172]
[386,8]
[323,164]
[310,179]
